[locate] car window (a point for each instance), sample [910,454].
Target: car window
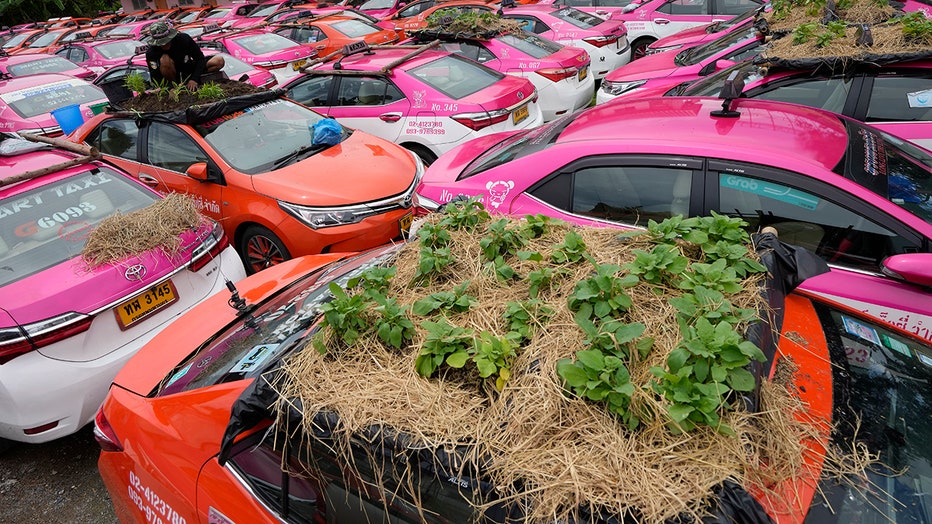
[374,91]
[824,93]
[303,34]
[117,137]
[263,43]
[901,99]
[314,91]
[685,7]
[880,384]
[530,44]
[54,226]
[171,148]
[473,50]
[837,234]
[33,101]
[355,28]
[455,77]
[414,9]
[518,145]
[530,24]
[122,72]
[580,19]
[734,7]
[624,194]
[118,49]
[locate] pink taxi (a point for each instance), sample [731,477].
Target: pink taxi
[274,53]
[606,41]
[30,64]
[650,20]
[227,14]
[99,55]
[27,102]
[856,196]
[559,73]
[429,102]
[665,70]
[703,33]
[66,328]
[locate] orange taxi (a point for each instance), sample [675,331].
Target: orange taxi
[257,165]
[414,15]
[330,33]
[171,449]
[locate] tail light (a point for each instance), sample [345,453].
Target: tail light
[15,341]
[209,249]
[478,121]
[104,434]
[271,65]
[601,41]
[557,74]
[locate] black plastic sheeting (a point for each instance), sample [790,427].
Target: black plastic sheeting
[788,266]
[198,114]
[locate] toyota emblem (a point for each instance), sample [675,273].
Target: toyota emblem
[520,95]
[135,272]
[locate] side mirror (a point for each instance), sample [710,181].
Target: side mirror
[717,65]
[197,171]
[914,268]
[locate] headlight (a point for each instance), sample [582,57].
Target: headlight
[320,217]
[655,50]
[617,88]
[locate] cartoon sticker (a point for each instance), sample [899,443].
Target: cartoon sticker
[860,330]
[498,190]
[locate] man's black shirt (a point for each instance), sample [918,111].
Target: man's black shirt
[189,59]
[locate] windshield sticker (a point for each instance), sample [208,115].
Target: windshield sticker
[256,356]
[47,89]
[47,197]
[498,191]
[181,372]
[769,190]
[925,359]
[920,98]
[860,330]
[895,345]
[875,158]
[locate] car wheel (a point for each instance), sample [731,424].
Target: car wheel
[639,47]
[425,154]
[260,248]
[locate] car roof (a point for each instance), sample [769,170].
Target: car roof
[16,164]
[23,82]
[380,57]
[804,134]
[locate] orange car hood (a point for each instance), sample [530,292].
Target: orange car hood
[362,168]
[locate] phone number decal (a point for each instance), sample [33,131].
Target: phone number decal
[156,510]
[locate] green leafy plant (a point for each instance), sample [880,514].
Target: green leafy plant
[175,92]
[456,301]
[464,215]
[542,279]
[601,377]
[393,327]
[717,276]
[374,279]
[493,357]
[501,240]
[345,316]
[659,266]
[735,255]
[210,91]
[443,344]
[672,229]
[570,251]
[433,235]
[431,263]
[804,33]
[525,316]
[536,225]
[135,82]
[917,28]
[710,304]
[502,269]
[602,295]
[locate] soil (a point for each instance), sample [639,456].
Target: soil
[56,482]
[153,102]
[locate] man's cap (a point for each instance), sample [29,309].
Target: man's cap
[160,33]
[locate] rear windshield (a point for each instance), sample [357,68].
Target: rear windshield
[118,49]
[580,19]
[530,44]
[517,146]
[695,55]
[51,64]
[50,224]
[456,77]
[891,167]
[217,13]
[355,28]
[264,43]
[39,100]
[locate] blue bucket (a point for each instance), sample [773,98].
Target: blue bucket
[68,118]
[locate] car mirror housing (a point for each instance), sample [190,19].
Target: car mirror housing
[197,171]
[914,268]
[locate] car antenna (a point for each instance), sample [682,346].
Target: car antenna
[732,89]
[239,304]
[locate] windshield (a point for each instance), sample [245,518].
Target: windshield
[355,28]
[118,49]
[881,390]
[16,40]
[264,43]
[234,67]
[580,19]
[700,53]
[254,140]
[891,167]
[46,40]
[517,146]
[187,17]
[377,4]
[727,24]
[49,225]
[712,84]
[51,64]
[530,44]
[264,10]
[217,13]
[34,101]
[276,326]
[456,77]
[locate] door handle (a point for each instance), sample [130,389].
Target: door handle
[390,117]
[661,21]
[148,180]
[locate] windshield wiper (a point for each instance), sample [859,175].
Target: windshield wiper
[291,157]
[680,58]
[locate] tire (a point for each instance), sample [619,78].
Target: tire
[5,445]
[639,47]
[425,155]
[260,248]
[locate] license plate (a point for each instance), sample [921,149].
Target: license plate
[404,224]
[298,64]
[137,309]
[520,114]
[583,73]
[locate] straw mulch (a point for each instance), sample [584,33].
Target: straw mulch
[156,226]
[544,449]
[859,12]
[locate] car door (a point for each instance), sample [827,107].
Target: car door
[851,235]
[675,15]
[313,91]
[372,104]
[629,190]
[899,101]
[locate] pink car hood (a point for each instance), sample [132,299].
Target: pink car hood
[71,286]
[651,66]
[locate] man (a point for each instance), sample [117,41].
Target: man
[175,57]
